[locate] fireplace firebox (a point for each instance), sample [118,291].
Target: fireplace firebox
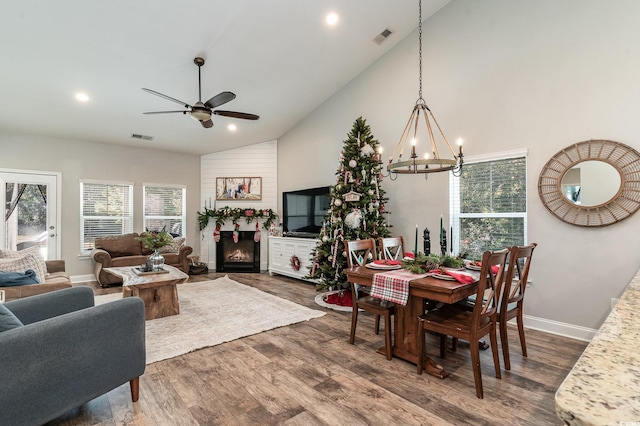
[243,256]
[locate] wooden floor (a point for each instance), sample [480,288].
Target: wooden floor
[308,374]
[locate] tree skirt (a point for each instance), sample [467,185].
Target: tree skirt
[334,300]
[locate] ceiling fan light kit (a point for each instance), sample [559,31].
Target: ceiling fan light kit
[202,111]
[432,162]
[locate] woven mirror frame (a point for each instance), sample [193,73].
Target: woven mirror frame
[623,204]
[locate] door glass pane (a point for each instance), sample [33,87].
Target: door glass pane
[25,216]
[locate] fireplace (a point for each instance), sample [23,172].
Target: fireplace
[243,256]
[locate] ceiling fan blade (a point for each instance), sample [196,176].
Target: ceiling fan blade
[169,98]
[235,114]
[207,123]
[220,99]
[164,112]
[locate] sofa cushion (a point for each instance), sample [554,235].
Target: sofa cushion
[174,246]
[8,320]
[23,260]
[57,277]
[10,279]
[120,245]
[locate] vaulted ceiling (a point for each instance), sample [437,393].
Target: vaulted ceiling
[279,57]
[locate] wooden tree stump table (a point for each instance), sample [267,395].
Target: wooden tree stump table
[159,291]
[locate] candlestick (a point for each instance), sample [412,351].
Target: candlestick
[441,229]
[209,202]
[451,238]
[426,241]
[415,247]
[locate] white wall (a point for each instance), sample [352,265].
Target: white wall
[77,160]
[503,74]
[258,160]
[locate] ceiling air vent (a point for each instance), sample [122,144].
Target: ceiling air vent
[380,38]
[143,137]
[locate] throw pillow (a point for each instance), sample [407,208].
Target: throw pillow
[12,279]
[174,246]
[22,264]
[8,320]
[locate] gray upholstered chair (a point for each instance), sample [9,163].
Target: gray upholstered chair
[66,352]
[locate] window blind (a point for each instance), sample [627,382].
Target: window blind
[105,209]
[165,207]
[488,206]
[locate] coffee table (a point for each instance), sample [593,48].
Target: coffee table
[158,291]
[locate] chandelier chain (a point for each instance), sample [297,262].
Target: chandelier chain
[420,48]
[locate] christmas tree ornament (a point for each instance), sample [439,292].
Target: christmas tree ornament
[352,196]
[353,163]
[337,202]
[325,238]
[367,150]
[370,192]
[353,219]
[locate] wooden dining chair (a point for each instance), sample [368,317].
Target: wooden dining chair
[512,300]
[391,248]
[458,322]
[359,252]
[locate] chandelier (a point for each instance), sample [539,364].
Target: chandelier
[432,161]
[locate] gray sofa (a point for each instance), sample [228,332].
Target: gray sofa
[67,353]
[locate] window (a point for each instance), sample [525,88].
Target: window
[488,205]
[164,207]
[105,209]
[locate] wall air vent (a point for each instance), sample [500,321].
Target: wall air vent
[380,38]
[143,137]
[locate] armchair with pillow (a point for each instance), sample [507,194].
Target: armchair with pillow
[127,250]
[59,351]
[25,273]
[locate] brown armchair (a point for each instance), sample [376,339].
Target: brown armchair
[56,279]
[127,250]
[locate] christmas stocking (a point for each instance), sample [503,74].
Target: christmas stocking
[236,234]
[216,234]
[256,236]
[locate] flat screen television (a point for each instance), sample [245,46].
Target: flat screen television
[304,211]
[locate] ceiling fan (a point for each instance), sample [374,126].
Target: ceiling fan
[202,111]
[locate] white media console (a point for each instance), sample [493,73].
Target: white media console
[282,250]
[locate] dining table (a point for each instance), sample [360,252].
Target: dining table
[423,291]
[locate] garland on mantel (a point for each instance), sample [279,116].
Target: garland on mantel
[224,214]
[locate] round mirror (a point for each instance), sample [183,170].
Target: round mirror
[590,183]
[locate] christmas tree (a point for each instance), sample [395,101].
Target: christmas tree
[356,206]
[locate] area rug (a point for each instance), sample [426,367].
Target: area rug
[214,312]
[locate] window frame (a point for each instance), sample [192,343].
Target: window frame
[454,196]
[183,217]
[127,220]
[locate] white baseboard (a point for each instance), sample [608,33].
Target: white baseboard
[75,279]
[560,328]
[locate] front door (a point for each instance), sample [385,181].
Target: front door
[31,211]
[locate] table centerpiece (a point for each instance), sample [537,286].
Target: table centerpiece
[155,240]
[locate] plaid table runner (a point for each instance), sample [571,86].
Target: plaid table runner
[393,285]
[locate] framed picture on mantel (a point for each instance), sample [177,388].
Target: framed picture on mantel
[239,188]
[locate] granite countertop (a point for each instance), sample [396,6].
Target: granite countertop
[603,388]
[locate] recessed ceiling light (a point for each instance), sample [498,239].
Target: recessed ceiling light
[332,19]
[232,127]
[82,97]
